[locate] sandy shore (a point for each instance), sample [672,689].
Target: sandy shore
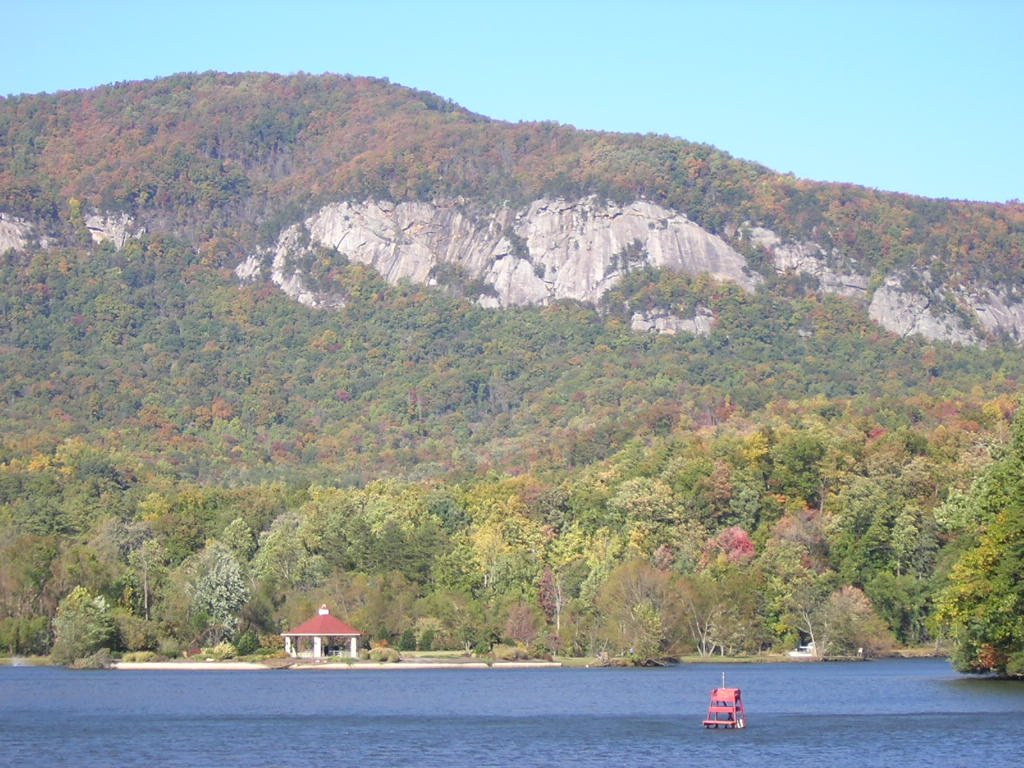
[430,665]
[233,665]
[332,666]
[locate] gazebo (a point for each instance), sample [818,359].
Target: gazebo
[328,636]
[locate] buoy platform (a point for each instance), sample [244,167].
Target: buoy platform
[725,710]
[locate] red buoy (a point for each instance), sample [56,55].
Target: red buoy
[725,710]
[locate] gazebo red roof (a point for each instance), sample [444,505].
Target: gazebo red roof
[323,625]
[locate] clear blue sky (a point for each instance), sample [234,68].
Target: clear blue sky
[911,96]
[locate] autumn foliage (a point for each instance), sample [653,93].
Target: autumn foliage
[184,460]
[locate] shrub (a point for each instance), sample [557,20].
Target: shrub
[138,657]
[168,647]
[539,650]
[271,644]
[101,659]
[1015,665]
[136,633]
[483,648]
[509,652]
[247,643]
[221,651]
[385,654]
[427,640]
[408,641]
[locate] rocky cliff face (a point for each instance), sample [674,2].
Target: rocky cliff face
[115,228]
[700,324]
[14,233]
[908,313]
[810,259]
[18,235]
[998,312]
[563,249]
[963,315]
[550,250]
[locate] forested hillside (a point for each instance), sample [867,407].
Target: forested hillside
[232,155]
[185,459]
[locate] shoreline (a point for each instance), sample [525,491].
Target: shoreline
[253,666]
[462,662]
[432,665]
[190,665]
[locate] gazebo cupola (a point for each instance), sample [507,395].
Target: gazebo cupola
[323,635]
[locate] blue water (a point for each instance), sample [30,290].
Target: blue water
[885,713]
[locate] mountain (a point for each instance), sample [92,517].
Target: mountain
[268,342]
[450,290]
[233,161]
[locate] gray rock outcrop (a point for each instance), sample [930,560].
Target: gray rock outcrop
[809,259]
[980,311]
[14,233]
[552,249]
[564,249]
[998,311]
[907,313]
[115,228]
[667,323]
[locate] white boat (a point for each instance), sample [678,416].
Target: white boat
[803,652]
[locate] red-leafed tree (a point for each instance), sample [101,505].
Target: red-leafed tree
[734,543]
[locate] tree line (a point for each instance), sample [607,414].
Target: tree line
[735,539]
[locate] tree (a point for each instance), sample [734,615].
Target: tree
[217,592]
[83,626]
[240,539]
[863,526]
[903,603]
[740,624]
[984,602]
[702,609]
[983,605]
[643,500]
[458,620]
[408,640]
[639,605]
[25,565]
[148,564]
[522,622]
[24,635]
[283,560]
[551,597]
[809,611]
[383,603]
[852,626]
[733,545]
[796,472]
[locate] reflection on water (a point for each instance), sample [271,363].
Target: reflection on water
[911,713]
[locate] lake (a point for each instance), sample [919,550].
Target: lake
[882,713]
